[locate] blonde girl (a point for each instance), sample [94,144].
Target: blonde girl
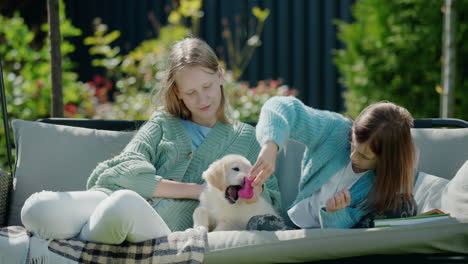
[152,187]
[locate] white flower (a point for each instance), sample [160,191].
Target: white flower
[254,41]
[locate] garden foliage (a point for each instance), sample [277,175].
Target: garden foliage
[26,71]
[128,83]
[393,52]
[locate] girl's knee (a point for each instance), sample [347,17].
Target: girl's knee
[125,193]
[58,214]
[126,198]
[123,204]
[36,208]
[39,215]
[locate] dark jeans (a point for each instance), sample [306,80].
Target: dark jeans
[407,210]
[267,223]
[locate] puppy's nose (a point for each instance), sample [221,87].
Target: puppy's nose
[242,178]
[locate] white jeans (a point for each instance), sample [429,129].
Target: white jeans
[95,216]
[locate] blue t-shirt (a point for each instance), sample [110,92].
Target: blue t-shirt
[197,132]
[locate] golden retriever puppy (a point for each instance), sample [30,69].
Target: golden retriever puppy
[220,207]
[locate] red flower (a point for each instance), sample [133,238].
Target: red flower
[99,80]
[101,86]
[70,110]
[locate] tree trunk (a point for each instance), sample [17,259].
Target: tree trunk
[56,57]
[447,98]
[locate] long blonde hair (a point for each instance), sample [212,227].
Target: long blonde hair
[387,128]
[188,52]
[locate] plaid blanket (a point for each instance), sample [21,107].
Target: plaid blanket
[178,247]
[14,244]
[14,231]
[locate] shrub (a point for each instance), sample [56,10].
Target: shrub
[246,102]
[393,52]
[26,71]
[136,75]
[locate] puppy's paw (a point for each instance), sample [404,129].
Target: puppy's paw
[200,217]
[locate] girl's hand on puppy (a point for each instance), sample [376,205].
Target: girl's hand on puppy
[265,164]
[198,190]
[338,201]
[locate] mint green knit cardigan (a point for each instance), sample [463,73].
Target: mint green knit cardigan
[162,149]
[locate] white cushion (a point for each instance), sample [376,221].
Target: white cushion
[442,151]
[57,158]
[428,191]
[308,245]
[455,196]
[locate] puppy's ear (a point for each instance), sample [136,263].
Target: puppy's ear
[215,175]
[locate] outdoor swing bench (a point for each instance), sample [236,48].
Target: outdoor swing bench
[59,154]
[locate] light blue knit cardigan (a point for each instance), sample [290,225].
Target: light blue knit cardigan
[326,137]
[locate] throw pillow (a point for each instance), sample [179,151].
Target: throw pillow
[455,196]
[428,191]
[57,158]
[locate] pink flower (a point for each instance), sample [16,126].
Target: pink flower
[292,92]
[40,84]
[275,83]
[147,77]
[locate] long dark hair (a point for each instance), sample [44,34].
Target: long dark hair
[387,128]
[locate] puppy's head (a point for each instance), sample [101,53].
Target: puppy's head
[227,175]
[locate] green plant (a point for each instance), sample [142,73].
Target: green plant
[239,56]
[26,68]
[187,12]
[246,102]
[137,75]
[393,52]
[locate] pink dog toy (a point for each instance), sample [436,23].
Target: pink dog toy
[246,191]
